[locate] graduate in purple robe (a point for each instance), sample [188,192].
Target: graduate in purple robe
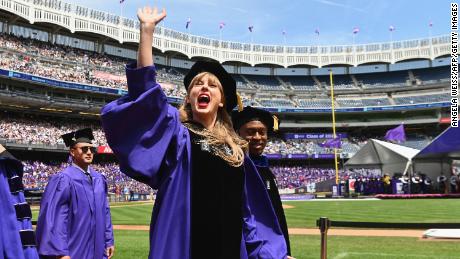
[74,219]
[255,125]
[211,203]
[17,238]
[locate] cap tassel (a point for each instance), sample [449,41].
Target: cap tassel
[275,123]
[240,102]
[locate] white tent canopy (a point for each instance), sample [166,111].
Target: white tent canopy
[390,158]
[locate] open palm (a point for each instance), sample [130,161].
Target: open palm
[150,17]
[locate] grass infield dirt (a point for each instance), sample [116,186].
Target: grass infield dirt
[132,219]
[315,231]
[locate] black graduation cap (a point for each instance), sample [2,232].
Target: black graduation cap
[227,81]
[239,118]
[79,136]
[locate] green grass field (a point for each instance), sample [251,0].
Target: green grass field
[135,244]
[305,213]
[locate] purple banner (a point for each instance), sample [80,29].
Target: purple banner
[274,156]
[297,156]
[323,156]
[397,134]
[331,143]
[300,156]
[302,197]
[314,135]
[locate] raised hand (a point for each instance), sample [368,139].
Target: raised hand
[149,17]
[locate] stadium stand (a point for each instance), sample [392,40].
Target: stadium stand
[357,85]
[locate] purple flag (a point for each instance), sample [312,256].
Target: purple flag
[392,28]
[121,1]
[431,24]
[284,32]
[187,24]
[221,25]
[355,30]
[317,31]
[250,28]
[397,134]
[331,143]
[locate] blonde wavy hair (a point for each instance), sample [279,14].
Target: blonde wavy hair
[222,134]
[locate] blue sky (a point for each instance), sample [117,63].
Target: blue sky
[335,19]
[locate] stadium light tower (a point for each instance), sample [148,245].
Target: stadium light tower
[333,128]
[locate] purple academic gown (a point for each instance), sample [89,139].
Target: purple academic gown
[153,147]
[75,216]
[10,225]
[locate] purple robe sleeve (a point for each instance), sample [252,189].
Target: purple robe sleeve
[261,231]
[10,224]
[109,241]
[141,128]
[2,223]
[52,237]
[10,241]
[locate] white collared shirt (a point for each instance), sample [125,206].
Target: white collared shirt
[85,172]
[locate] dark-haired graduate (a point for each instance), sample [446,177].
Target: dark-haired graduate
[255,125]
[211,202]
[74,220]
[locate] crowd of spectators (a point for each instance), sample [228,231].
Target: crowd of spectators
[46,131]
[86,67]
[292,177]
[307,146]
[72,65]
[43,131]
[37,173]
[64,54]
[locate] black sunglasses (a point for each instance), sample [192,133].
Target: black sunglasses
[85,149]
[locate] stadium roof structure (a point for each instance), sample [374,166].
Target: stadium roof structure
[79,19]
[390,158]
[446,145]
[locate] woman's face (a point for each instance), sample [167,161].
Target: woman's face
[205,95]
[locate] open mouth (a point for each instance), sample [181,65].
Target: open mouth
[203,100]
[256,145]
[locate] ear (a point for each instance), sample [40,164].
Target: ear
[72,152]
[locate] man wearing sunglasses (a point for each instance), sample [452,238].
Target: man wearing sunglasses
[74,219]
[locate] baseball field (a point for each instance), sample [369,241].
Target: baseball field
[131,242]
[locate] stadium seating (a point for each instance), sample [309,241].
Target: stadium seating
[265,82]
[300,83]
[314,103]
[363,102]
[76,65]
[432,75]
[383,80]
[426,98]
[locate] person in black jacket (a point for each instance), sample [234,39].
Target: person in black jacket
[255,125]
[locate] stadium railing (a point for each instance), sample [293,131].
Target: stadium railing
[324,224]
